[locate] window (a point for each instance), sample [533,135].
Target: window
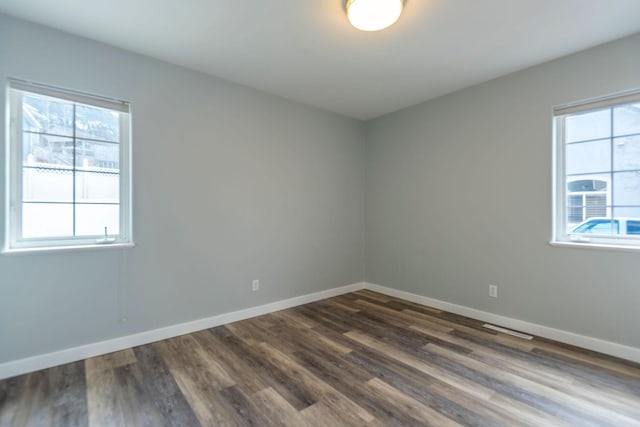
[68,169]
[597,180]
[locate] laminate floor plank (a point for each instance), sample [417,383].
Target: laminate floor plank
[13,394]
[412,384]
[111,360]
[530,392]
[384,411]
[497,359]
[408,405]
[56,396]
[70,391]
[322,415]
[345,306]
[238,368]
[426,335]
[199,377]
[161,386]
[331,369]
[244,410]
[268,373]
[372,325]
[601,361]
[495,381]
[137,406]
[580,370]
[555,379]
[304,378]
[398,318]
[599,375]
[373,295]
[288,338]
[308,338]
[450,377]
[276,410]
[208,405]
[185,356]
[485,333]
[294,318]
[104,395]
[400,305]
[358,359]
[321,318]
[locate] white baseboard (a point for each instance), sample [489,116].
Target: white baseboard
[595,344]
[48,360]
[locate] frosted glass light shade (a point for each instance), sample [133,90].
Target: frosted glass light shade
[373,15]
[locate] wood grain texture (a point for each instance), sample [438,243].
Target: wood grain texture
[361,359]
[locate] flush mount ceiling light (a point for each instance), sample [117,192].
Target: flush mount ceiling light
[373,15]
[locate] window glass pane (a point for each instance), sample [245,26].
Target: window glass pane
[626,153]
[97,123]
[47,185]
[587,126]
[586,198]
[626,119]
[47,220]
[589,157]
[575,209]
[582,184]
[91,155]
[626,212]
[47,151]
[595,205]
[589,183]
[626,188]
[584,206]
[92,219]
[604,227]
[95,187]
[633,227]
[44,114]
[599,226]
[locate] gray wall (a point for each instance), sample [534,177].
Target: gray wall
[230,185]
[459,196]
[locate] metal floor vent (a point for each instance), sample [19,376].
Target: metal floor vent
[508,331]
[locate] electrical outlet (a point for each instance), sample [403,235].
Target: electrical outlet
[255,285]
[493,291]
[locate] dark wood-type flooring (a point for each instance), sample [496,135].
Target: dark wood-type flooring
[357,359]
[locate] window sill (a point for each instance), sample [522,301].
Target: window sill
[60,249]
[596,246]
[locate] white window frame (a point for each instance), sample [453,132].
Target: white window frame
[14,242]
[560,235]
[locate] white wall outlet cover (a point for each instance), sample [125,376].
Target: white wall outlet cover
[493,291]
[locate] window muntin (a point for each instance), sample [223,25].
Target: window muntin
[598,172]
[68,169]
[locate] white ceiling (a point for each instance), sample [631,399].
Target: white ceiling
[306,50]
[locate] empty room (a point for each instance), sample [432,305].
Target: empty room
[320,213]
